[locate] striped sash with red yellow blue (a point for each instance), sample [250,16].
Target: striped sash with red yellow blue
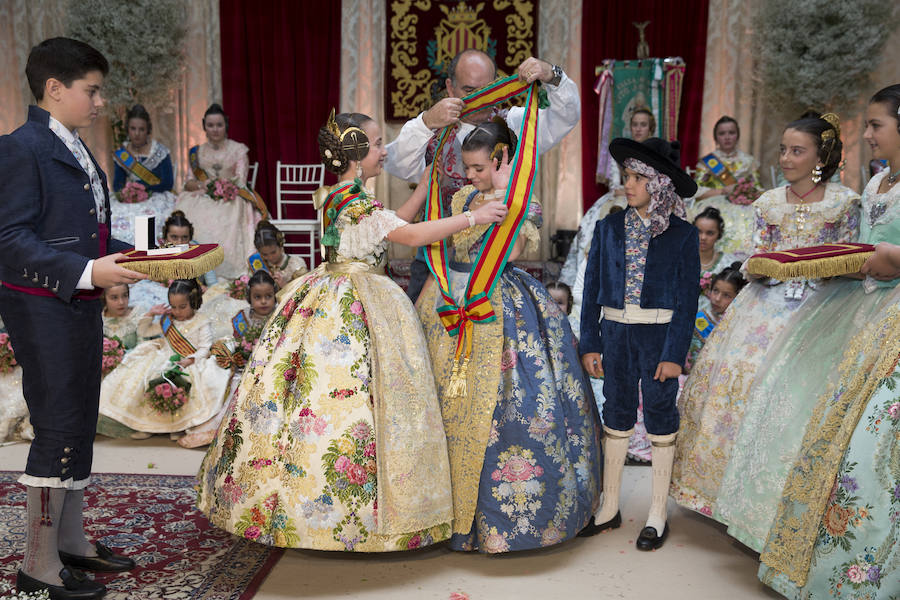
[339,199]
[176,339]
[498,243]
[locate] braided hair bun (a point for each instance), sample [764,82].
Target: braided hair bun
[342,140]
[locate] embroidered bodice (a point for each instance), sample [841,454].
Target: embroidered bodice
[228,162]
[363,226]
[467,243]
[781,225]
[880,213]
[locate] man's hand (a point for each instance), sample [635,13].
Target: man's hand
[884,265]
[106,273]
[592,364]
[667,370]
[445,112]
[533,69]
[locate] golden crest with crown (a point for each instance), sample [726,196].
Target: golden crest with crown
[462,29]
[416,67]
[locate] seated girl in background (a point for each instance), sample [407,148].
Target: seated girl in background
[139,392]
[711,226]
[143,177]
[247,325]
[120,319]
[723,288]
[270,255]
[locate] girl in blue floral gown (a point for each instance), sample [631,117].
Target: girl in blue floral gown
[524,449]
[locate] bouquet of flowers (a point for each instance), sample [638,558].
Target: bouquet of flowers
[237,289]
[7,357]
[221,190]
[706,282]
[133,193]
[113,351]
[744,192]
[169,392]
[244,344]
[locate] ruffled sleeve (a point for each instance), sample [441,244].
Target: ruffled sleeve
[362,239]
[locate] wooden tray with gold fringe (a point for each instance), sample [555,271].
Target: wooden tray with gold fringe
[188,264]
[827,260]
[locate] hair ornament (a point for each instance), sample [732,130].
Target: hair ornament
[835,122]
[497,152]
[353,141]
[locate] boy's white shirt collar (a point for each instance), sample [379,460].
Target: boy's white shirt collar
[644,220]
[62,131]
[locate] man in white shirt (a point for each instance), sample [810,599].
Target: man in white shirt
[469,71]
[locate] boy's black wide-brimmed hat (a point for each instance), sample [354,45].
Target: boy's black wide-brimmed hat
[659,154]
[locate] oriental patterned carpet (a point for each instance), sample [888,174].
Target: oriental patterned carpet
[152,519]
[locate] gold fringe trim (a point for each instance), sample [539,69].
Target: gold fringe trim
[830,266]
[178,268]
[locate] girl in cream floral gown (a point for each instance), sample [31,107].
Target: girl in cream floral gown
[335,440]
[716,392]
[712,192]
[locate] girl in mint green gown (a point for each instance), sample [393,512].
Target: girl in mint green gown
[822,500]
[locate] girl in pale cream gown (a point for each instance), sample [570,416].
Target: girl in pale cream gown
[335,441]
[713,192]
[230,224]
[186,342]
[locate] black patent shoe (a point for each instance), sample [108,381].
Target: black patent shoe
[106,560]
[593,529]
[649,540]
[76,586]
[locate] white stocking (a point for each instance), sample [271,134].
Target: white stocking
[663,457]
[615,447]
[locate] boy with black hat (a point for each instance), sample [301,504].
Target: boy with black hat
[53,264]
[643,272]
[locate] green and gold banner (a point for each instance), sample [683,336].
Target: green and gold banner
[423,36]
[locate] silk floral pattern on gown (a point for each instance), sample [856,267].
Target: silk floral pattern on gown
[334,438]
[715,394]
[524,446]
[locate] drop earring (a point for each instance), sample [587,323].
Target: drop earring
[359,171]
[817,174]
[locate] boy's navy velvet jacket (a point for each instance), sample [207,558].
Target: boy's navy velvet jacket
[671,281]
[48,220]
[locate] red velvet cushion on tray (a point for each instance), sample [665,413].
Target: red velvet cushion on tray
[827,260]
[193,262]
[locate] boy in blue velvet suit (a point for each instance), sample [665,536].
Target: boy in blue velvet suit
[53,264]
[642,276]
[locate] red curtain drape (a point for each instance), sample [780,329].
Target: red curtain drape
[676,29]
[281,63]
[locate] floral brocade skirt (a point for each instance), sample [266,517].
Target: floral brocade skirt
[333,441]
[534,477]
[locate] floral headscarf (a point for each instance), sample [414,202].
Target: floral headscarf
[663,199]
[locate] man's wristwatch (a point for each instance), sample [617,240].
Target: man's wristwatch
[557,75]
